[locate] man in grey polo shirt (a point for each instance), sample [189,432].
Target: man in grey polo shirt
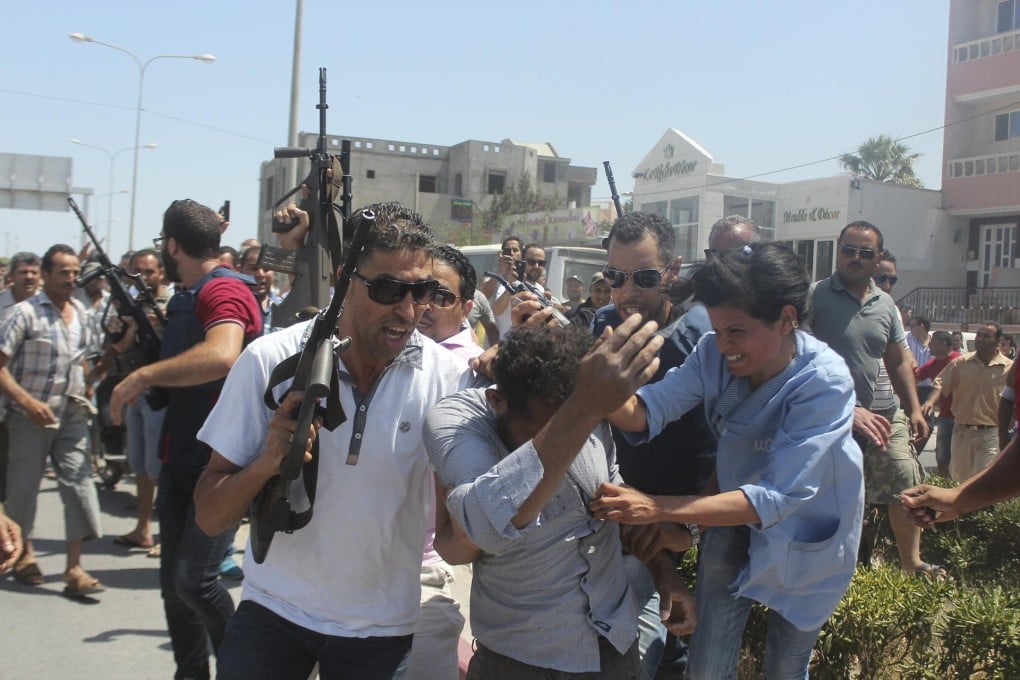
[861,322]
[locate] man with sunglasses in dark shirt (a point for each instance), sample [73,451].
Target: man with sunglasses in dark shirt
[681,459]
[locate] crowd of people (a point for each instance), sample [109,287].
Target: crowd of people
[569,450]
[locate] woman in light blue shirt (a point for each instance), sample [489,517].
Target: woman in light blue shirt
[784,526]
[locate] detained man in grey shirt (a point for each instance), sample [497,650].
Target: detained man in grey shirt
[521,462]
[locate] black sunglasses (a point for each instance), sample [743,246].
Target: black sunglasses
[863,253]
[882,278]
[643,278]
[390,291]
[535,263]
[445,298]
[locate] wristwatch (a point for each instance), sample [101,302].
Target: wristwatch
[695,533]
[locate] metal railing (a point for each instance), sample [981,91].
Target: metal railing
[954,305]
[986,47]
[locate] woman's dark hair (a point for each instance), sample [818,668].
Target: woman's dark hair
[759,278]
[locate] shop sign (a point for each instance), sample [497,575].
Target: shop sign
[667,170]
[813,215]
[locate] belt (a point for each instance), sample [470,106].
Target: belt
[976,427]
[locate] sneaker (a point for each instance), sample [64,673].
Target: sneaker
[229,569]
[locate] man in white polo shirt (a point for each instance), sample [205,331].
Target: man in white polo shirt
[343,591]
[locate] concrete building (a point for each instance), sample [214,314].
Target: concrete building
[681,181]
[449,185]
[981,148]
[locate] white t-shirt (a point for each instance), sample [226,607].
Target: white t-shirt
[353,571]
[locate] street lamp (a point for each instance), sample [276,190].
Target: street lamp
[205,58]
[112,155]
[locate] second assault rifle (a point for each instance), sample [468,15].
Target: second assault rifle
[314,263]
[315,373]
[146,348]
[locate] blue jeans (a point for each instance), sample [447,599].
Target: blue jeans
[197,605]
[715,645]
[260,644]
[944,441]
[651,632]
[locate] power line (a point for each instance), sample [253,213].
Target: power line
[131,108]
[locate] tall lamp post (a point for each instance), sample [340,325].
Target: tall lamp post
[112,156]
[205,58]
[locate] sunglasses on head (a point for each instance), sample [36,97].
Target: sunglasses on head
[390,291]
[854,251]
[445,298]
[882,278]
[643,278]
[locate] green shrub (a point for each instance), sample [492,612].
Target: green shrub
[881,624]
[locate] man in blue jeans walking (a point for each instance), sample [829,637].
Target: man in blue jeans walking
[210,319]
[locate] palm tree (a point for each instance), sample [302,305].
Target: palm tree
[883,159]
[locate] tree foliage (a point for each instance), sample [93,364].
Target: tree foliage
[883,159]
[516,199]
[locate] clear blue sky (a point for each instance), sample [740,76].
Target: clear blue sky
[761,85]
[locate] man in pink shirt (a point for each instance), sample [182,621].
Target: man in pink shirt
[437,634]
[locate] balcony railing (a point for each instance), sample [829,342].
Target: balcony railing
[986,47]
[977,166]
[954,305]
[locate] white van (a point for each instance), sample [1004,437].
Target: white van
[561,262]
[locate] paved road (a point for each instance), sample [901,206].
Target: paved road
[120,633]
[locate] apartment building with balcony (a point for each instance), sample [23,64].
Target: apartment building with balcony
[448,185]
[981,148]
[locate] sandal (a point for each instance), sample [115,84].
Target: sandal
[28,574]
[155,551]
[81,585]
[932,571]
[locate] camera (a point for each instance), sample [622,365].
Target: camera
[519,268]
[507,250]
[225,211]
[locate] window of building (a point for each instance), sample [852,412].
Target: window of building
[370,174]
[548,172]
[427,184]
[357,144]
[1007,126]
[391,147]
[267,204]
[1009,17]
[659,208]
[683,215]
[762,212]
[497,181]
[369,145]
[458,184]
[816,256]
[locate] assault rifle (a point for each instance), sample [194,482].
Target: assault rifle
[612,188]
[146,349]
[314,369]
[522,285]
[315,373]
[314,263]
